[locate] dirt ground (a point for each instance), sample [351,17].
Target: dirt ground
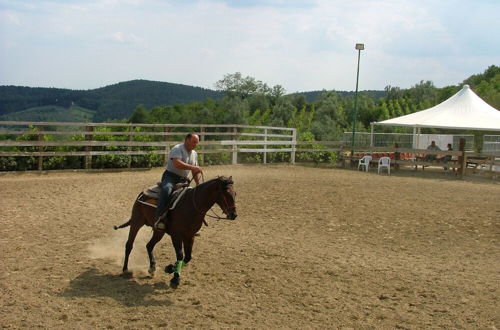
[311,248]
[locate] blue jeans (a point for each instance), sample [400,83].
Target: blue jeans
[168,182]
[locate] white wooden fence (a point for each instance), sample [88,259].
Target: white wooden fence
[87,140]
[159,138]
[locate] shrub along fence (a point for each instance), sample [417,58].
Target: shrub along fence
[51,145]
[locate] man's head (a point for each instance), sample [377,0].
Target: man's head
[190,141]
[433,143]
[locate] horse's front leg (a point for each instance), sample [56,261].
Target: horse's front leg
[188,248]
[176,269]
[157,236]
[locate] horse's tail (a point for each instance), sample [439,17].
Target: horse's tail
[126,224]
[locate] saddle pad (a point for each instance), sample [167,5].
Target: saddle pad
[152,192]
[143,199]
[150,196]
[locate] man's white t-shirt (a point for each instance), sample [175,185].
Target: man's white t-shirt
[180,152]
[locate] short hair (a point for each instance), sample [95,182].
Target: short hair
[189,136]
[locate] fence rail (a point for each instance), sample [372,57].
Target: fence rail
[43,140]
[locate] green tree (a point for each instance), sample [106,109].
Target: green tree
[140,115]
[302,121]
[235,85]
[281,113]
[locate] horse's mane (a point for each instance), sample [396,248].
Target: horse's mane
[223,179]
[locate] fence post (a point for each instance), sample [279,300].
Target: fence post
[167,149]
[294,146]
[202,138]
[130,129]
[40,149]
[235,150]
[265,146]
[342,152]
[462,159]
[397,157]
[88,149]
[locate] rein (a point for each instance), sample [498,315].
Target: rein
[215,216]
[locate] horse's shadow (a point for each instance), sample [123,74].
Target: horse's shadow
[125,290]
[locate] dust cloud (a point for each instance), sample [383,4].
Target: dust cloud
[112,247]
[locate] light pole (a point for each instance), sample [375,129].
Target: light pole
[359,47]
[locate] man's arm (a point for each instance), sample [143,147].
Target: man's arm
[195,170]
[197,178]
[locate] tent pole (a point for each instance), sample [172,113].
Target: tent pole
[418,137]
[414,144]
[371,134]
[417,144]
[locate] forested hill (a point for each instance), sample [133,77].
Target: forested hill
[107,103]
[239,100]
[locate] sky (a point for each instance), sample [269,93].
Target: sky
[298,44]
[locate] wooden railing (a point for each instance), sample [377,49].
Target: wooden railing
[87,137]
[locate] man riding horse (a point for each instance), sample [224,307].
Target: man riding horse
[182,159]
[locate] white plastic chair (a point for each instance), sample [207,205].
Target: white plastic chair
[365,161]
[384,162]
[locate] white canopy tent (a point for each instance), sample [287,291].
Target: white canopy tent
[464,110]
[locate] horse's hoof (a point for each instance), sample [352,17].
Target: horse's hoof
[127,274]
[152,270]
[169,269]
[175,281]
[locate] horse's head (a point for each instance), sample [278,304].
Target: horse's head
[227,197]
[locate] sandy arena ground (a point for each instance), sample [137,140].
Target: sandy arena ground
[311,248]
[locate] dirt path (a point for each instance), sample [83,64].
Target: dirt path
[311,248]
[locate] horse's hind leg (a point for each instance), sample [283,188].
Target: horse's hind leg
[157,236]
[134,228]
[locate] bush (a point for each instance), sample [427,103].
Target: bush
[110,161]
[217,159]
[8,164]
[150,160]
[251,158]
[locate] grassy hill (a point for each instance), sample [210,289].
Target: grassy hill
[112,102]
[51,113]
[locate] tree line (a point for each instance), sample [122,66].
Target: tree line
[250,101]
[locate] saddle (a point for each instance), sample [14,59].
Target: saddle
[149,196]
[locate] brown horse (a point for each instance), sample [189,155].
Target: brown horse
[184,221]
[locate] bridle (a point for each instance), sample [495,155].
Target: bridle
[228,206]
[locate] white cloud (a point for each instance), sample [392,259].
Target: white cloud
[8,17]
[124,38]
[302,45]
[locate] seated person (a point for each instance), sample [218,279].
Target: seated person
[446,158]
[433,146]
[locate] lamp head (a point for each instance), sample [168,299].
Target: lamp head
[360,46]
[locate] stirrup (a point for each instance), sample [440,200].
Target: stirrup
[159,225]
